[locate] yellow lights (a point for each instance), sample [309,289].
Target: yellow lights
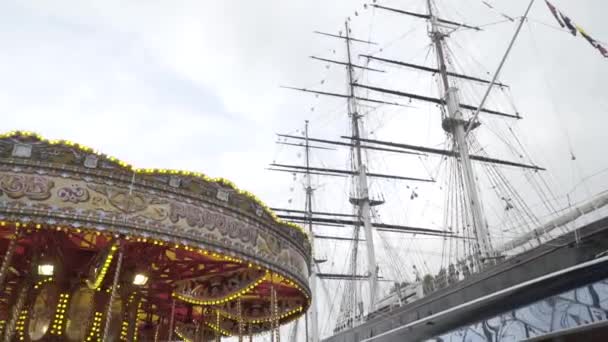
[42,282]
[140,312]
[104,269]
[181,336]
[46,269]
[297,310]
[221,181]
[57,324]
[283,316]
[218,329]
[124,330]
[95,332]
[20,325]
[230,298]
[196,252]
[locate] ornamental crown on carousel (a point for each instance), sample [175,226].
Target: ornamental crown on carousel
[93,249]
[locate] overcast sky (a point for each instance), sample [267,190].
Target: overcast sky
[195,84]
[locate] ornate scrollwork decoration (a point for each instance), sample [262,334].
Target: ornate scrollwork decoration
[74,194]
[32,187]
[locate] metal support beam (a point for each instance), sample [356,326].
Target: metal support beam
[433,100]
[336,276]
[380,226]
[426,16]
[336,238]
[347,38]
[352,173]
[351,145]
[448,153]
[325,93]
[344,63]
[431,70]
[314,213]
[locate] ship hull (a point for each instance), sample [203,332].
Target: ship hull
[565,263]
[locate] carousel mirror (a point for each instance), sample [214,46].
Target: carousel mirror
[42,312]
[79,314]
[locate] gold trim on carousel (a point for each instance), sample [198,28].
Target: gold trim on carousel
[229,298]
[218,180]
[288,314]
[104,269]
[181,336]
[215,328]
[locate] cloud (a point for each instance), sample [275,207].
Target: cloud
[194,85]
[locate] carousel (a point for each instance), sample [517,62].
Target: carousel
[93,249]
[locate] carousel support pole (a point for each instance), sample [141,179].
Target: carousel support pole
[197,333]
[250,334]
[172,320]
[239,307]
[157,329]
[9,330]
[274,313]
[277,330]
[8,257]
[218,335]
[202,338]
[106,328]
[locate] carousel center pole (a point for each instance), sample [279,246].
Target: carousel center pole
[106,328]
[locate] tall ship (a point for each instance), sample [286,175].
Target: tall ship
[430,216]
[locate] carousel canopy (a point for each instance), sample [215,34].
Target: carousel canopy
[145,249]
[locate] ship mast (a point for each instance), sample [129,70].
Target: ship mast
[314,320]
[362,201]
[456,126]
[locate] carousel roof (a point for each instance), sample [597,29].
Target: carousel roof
[75,152]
